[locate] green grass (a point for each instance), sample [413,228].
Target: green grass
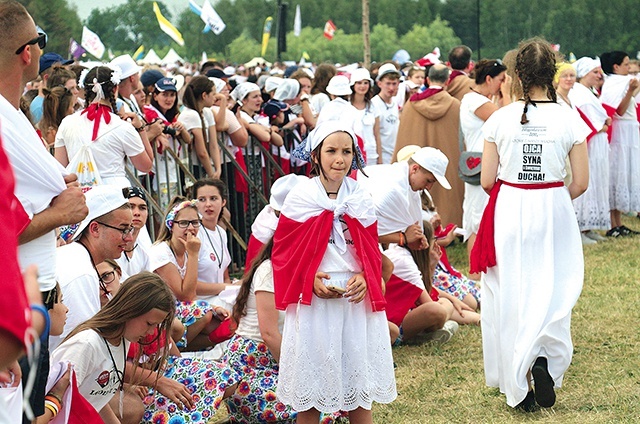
[445,384]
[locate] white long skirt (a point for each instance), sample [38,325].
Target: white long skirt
[592,208]
[528,296]
[475,200]
[335,355]
[624,163]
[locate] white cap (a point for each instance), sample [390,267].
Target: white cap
[126,65]
[241,90]
[229,70]
[287,90]
[326,128]
[339,86]
[101,200]
[360,74]
[218,83]
[272,83]
[434,161]
[406,152]
[387,68]
[281,188]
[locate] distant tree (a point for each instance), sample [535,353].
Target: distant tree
[423,39]
[59,20]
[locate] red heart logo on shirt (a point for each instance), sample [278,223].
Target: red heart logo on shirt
[473,162]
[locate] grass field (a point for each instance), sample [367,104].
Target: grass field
[445,384]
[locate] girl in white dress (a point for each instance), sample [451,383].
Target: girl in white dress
[336,351]
[532,257]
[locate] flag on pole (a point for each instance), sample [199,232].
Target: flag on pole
[211,18]
[91,43]
[329,30]
[297,22]
[139,54]
[198,11]
[266,33]
[110,54]
[572,57]
[75,49]
[166,26]
[305,55]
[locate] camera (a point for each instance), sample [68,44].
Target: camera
[169,131]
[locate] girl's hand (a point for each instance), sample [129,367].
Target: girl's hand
[356,288]
[460,306]
[176,392]
[220,313]
[448,239]
[61,386]
[505,87]
[178,126]
[321,290]
[192,245]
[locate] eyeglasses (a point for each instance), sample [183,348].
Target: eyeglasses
[41,40]
[107,277]
[125,231]
[185,224]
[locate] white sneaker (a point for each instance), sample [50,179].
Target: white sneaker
[444,334]
[586,240]
[594,236]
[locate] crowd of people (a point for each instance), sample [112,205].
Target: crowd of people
[112,315]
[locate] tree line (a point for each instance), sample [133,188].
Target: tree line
[584,27]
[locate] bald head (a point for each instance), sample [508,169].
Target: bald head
[438,74]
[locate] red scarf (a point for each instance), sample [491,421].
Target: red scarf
[425,94]
[94,112]
[439,233]
[454,74]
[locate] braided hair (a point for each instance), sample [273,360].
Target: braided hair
[535,67]
[102,75]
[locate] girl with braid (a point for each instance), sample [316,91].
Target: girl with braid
[528,244]
[111,138]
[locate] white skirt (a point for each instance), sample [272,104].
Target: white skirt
[624,162]
[335,355]
[592,208]
[475,200]
[528,296]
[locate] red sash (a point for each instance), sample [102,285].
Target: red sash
[483,254]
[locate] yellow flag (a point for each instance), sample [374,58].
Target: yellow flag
[166,26]
[266,33]
[138,54]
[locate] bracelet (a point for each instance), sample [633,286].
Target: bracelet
[55,397]
[51,407]
[140,128]
[402,239]
[47,321]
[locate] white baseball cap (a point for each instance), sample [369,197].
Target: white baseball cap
[434,161]
[101,200]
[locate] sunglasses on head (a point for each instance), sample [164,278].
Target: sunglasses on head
[41,40]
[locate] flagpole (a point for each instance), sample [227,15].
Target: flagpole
[278,33]
[365,33]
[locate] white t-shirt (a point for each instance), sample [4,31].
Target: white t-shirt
[80,287]
[39,178]
[470,124]
[160,254]
[116,141]
[98,376]
[234,125]
[138,262]
[318,101]
[262,281]
[533,153]
[389,123]
[191,119]
[214,257]
[363,127]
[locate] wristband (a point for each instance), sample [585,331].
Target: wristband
[54,398]
[402,239]
[51,407]
[47,321]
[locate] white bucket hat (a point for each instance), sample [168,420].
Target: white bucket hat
[360,74]
[339,86]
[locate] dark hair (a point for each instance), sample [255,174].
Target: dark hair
[536,67]
[324,72]
[53,297]
[170,114]
[316,165]
[102,74]
[487,67]
[240,307]
[608,59]
[214,182]
[422,257]
[194,90]
[56,105]
[59,76]
[367,96]
[459,57]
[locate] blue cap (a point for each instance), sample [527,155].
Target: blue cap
[166,84]
[273,107]
[217,73]
[290,70]
[150,77]
[47,60]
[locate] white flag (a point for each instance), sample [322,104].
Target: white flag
[297,22]
[211,18]
[91,43]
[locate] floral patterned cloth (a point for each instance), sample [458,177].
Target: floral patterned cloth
[188,313]
[455,286]
[206,381]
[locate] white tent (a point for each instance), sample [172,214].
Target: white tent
[171,58]
[257,61]
[151,58]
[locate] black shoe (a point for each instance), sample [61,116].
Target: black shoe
[544,393]
[625,231]
[614,232]
[528,404]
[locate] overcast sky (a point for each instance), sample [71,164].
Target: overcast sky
[84,7]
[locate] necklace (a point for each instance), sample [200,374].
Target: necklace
[103,287]
[130,251]
[329,193]
[219,258]
[119,374]
[181,269]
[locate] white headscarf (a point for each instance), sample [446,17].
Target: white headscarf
[584,65]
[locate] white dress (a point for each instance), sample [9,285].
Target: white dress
[592,208]
[335,355]
[624,150]
[528,296]
[475,198]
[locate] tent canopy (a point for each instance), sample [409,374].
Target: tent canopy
[171,58]
[257,61]
[151,58]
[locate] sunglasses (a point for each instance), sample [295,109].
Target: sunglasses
[41,40]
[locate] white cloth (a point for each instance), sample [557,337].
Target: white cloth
[389,123]
[214,257]
[335,355]
[98,376]
[39,178]
[191,119]
[365,120]
[528,296]
[165,167]
[404,266]
[592,208]
[338,110]
[160,255]
[138,262]
[80,287]
[397,205]
[265,224]
[318,101]
[262,281]
[234,125]
[613,90]
[116,141]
